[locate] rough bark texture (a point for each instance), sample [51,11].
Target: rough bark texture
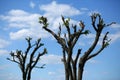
[26,63]
[74,67]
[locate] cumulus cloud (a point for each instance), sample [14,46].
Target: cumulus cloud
[114,37]
[53,12]
[26,24]
[21,18]
[88,40]
[16,13]
[4,43]
[59,9]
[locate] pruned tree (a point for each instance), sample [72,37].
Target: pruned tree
[27,60]
[74,67]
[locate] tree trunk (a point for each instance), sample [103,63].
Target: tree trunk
[66,73]
[29,74]
[74,72]
[24,76]
[70,72]
[81,68]
[80,73]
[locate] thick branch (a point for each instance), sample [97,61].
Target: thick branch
[102,47]
[95,54]
[60,40]
[64,57]
[88,52]
[77,56]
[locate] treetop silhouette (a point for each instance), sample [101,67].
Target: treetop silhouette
[27,60]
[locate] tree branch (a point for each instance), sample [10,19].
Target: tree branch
[43,66]
[102,47]
[75,37]
[13,60]
[66,23]
[111,23]
[60,40]
[64,57]
[95,54]
[100,26]
[38,57]
[77,56]
[93,18]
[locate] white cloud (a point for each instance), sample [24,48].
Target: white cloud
[115,26]
[20,18]
[4,43]
[53,12]
[34,33]
[54,9]
[90,38]
[51,59]
[114,36]
[21,33]
[3,52]
[32,5]
[16,13]
[26,23]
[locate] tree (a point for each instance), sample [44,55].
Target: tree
[74,67]
[27,60]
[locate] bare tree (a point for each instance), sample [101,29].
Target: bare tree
[27,60]
[74,67]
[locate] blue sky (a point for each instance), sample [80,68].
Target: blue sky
[19,19]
